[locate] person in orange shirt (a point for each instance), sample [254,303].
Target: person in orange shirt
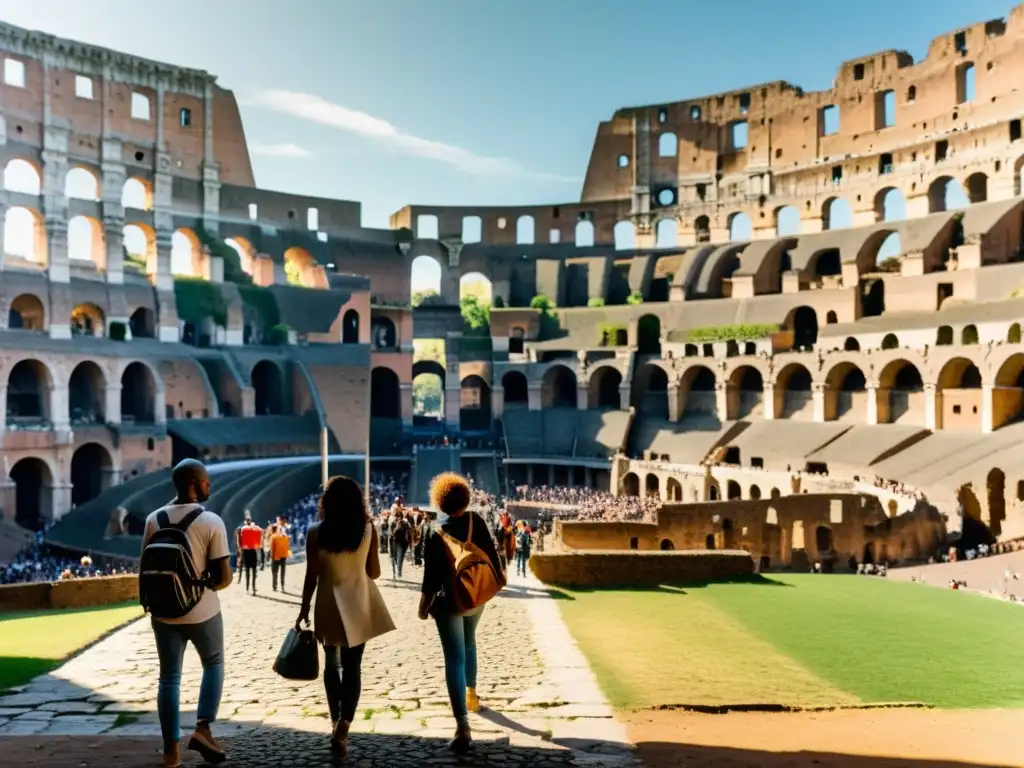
[280,551]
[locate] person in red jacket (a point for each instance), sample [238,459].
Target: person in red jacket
[250,538]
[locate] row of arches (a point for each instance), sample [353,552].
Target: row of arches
[475,412]
[92,469]
[80,183]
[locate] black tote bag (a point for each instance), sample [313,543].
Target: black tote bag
[298,658]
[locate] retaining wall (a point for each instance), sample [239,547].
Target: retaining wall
[639,568]
[73,593]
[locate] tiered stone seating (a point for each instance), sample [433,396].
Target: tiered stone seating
[524,433]
[429,463]
[601,434]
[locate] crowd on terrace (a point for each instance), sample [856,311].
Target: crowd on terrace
[590,504]
[40,563]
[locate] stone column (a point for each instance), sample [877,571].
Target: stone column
[248,402]
[60,498]
[113,236]
[159,269]
[3,221]
[930,410]
[673,401]
[406,404]
[872,393]
[3,410]
[722,400]
[497,403]
[551,474]
[624,397]
[987,408]
[818,401]
[768,400]
[533,395]
[112,403]
[529,475]
[160,406]
[581,396]
[60,415]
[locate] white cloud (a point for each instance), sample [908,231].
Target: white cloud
[280,150]
[308,106]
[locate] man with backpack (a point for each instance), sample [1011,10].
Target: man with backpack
[185,562]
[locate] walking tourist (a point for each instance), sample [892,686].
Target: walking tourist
[250,539]
[280,551]
[342,563]
[524,541]
[401,537]
[179,577]
[444,595]
[238,545]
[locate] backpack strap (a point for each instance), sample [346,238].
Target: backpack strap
[162,520]
[190,518]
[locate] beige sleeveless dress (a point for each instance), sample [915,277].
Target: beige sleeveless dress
[349,608]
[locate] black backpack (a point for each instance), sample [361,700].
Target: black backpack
[169,586]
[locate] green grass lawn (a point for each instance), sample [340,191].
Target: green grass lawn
[802,640]
[32,643]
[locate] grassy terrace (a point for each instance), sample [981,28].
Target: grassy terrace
[801,640]
[35,642]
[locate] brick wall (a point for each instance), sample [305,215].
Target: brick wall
[621,569]
[344,394]
[75,593]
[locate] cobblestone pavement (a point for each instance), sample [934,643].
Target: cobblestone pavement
[541,705]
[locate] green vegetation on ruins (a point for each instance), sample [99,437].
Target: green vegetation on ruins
[34,642]
[800,640]
[732,333]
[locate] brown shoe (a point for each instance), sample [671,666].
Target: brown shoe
[463,739]
[339,739]
[210,750]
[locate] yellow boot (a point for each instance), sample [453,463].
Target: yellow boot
[472,700]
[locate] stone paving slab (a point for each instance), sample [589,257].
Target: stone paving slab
[541,703]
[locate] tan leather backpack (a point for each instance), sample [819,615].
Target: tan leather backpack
[474,578]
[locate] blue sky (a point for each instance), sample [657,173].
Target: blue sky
[478,102]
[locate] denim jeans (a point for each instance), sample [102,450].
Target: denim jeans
[397,559]
[171,639]
[458,643]
[521,558]
[277,571]
[343,680]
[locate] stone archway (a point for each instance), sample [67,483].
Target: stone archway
[385,394]
[87,394]
[28,386]
[33,492]
[90,472]
[515,389]
[350,327]
[603,388]
[631,484]
[268,388]
[475,410]
[558,388]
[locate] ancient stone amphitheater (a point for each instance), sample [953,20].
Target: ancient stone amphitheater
[765,298]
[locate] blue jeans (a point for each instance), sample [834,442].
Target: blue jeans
[171,639]
[397,559]
[458,643]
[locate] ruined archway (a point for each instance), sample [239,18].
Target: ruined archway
[143,323]
[603,389]
[793,397]
[268,388]
[25,235]
[428,389]
[846,393]
[958,395]
[803,322]
[90,472]
[385,394]
[425,280]
[301,268]
[733,491]
[648,334]
[649,395]
[630,484]
[475,410]
[697,390]
[514,388]
[28,387]
[1008,392]
[138,394]
[88,320]
[87,394]
[33,484]
[558,388]
[746,392]
[26,313]
[137,194]
[652,485]
[901,397]
[673,490]
[946,194]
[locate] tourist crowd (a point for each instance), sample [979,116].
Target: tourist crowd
[590,504]
[38,562]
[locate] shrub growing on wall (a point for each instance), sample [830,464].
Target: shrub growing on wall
[198,299]
[233,272]
[635,298]
[278,334]
[595,301]
[750,332]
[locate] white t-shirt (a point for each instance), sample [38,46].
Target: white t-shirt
[208,539]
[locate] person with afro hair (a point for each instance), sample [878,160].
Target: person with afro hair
[450,494]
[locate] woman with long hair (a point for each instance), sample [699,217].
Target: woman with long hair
[341,565]
[450,494]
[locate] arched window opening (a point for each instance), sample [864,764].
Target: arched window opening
[525,234]
[558,388]
[837,214]
[383,333]
[21,176]
[425,280]
[667,234]
[515,388]
[26,313]
[90,472]
[143,323]
[350,327]
[584,233]
[87,320]
[787,221]
[86,394]
[24,235]
[740,227]
[268,388]
[603,390]
[625,236]
[32,484]
[27,387]
[138,394]
[385,394]
[81,184]
[137,194]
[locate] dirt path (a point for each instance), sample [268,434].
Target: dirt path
[879,738]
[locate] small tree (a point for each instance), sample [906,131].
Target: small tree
[543,303]
[425,297]
[635,298]
[477,314]
[595,301]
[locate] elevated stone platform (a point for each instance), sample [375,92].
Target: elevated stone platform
[594,568]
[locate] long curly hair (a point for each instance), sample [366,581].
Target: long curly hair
[450,493]
[343,515]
